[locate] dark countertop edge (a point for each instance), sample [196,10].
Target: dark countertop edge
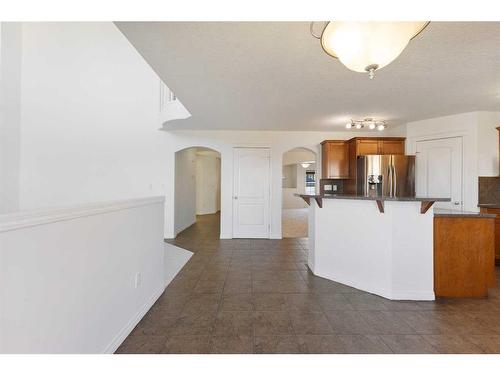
[368,198]
[489,205]
[439,212]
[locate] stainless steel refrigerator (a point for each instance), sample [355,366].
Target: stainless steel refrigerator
[386,175]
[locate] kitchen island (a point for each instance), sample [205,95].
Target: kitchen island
[381,245]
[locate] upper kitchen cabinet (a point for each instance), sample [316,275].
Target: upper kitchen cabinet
[335,159]
[379,146]
[392,146]
[367,146]
[339,157]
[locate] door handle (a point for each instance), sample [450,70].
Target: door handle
[456,203]
[235,197]
[395,179]
[391,182]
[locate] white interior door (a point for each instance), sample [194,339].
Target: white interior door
[251,193]
[439,169]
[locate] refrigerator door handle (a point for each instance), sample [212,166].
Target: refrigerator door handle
[389,175]
[395,179]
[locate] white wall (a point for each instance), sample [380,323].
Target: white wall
[89,117]
[487,143]
[185,189]
[480,140]
[67,277]
[298,155]
[289,200]
[290,176]
[10,111]
[207,183]
[224,142]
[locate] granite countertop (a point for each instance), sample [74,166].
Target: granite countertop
[375,198]
[489,205]
[440,212]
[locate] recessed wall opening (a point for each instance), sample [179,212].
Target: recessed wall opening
[197,188]
[299,176]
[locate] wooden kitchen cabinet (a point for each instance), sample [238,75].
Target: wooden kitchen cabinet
[335,159]
[392,147]
[496,211]
[367,147]
[339,158]
[380,146]
[463,256]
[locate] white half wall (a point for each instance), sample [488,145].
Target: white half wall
[393,257]
[78,280]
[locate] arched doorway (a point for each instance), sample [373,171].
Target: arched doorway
[197,189]
[298,177]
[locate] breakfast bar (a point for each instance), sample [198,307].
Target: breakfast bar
[381,245]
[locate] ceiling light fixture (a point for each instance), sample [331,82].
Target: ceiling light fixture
[306,164]
[367,46]
[369,122]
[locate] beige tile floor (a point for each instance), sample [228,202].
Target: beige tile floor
[257,296]
[294,222]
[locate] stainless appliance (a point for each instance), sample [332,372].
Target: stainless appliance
[386,175]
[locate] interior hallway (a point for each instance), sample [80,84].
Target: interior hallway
[294,222]
[257,296]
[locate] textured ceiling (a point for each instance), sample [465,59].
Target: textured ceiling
[275,76]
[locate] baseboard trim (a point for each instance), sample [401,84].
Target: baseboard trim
[125,331]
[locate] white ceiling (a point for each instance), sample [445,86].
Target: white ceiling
[275,76]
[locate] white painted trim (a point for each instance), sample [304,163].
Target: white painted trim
[125,331]
[412,295]
[14,221]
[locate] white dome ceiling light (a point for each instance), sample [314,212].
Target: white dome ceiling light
[367,46]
